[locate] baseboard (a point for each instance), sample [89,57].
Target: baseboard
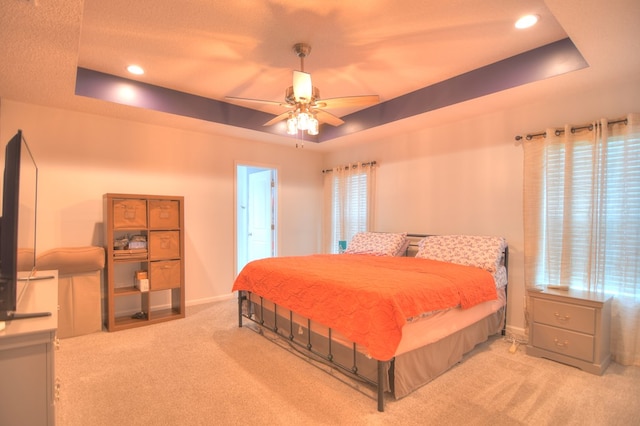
[517,334]
[204,300]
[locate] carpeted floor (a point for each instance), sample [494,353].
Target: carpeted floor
[203,370]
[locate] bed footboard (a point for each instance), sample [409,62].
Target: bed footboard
[321,347]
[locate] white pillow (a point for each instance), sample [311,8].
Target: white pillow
[378,244]
[471,250]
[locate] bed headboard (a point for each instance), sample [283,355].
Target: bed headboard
[414,240]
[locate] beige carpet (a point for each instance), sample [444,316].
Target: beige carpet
[203,370]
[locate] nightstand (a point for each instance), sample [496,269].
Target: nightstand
[571,327]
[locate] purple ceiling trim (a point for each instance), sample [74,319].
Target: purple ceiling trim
[547,61]
[543,62]
[120,90]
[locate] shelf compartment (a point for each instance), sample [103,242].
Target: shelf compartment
[165,274]
[164,214]
[129,213]
[164,245]
[126,291]
[128,322]
[165,314]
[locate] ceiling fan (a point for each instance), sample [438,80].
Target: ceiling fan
[302,100]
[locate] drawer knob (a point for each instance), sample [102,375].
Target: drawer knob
[562,317]
[561,344]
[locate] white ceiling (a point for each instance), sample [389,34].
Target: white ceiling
[244,48]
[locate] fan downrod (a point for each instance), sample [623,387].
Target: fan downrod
[302,50]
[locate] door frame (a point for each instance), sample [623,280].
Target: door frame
[275,212]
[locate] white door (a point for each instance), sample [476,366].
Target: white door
[256,208]
[261,226]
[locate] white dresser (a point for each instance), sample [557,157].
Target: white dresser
[572,327]
[27,375]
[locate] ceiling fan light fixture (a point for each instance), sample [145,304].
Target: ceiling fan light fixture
[303,121]
[313,126]
[292,125]
[302,87]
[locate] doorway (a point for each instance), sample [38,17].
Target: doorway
[256,213]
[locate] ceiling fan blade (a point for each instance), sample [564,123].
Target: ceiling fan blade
[256,101]
[302,87]
[277,118]
[349,101]
[327,117]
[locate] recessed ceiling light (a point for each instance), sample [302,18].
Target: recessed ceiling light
[527,21]
[135,69]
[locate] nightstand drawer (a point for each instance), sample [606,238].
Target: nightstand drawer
[576,345]
[570,317]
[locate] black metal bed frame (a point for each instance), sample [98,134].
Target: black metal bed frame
[308,347]
[329,358]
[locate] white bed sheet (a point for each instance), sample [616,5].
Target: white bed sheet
[443,323]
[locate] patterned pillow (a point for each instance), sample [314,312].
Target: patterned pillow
[471,250]
[378,244]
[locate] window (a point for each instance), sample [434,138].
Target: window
[349,202]
[587,209]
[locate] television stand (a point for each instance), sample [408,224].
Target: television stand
[27,358]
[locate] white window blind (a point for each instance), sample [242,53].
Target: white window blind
[582,209]
[349,199]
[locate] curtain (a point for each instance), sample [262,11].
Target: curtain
[582,218]
[348,201]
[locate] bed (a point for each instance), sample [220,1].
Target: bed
[393,312]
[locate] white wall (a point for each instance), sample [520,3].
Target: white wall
[466,177]
[460,177]
[81,157]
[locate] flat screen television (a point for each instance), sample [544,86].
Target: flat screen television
[18,227]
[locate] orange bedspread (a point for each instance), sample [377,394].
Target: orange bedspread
[366,298]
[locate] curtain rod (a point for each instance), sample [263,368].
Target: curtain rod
[370,163]
[573,130]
